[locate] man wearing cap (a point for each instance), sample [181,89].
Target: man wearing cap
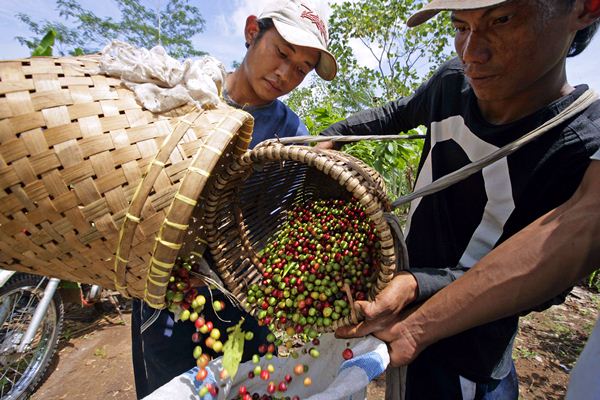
[508,79]
[286,42]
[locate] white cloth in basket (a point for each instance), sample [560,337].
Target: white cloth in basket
[332,377]
[160,82]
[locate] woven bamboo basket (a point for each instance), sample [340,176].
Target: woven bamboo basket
[248,201]
[97,189]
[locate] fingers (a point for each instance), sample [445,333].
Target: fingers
[363,328]
[372,309]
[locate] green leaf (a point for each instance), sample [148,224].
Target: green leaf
[288,267]
[45,46]
[233,350]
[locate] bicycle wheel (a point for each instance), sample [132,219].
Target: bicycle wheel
[22,372]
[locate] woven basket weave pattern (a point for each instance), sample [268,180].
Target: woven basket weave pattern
[248,203]
[87,172]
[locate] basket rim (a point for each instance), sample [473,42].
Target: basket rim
[326,162]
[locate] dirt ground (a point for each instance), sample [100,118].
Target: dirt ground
[94,360]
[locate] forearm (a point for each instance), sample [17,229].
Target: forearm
[541,261]
[391,119]
[432,280]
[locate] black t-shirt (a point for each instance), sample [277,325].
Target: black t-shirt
[448,232]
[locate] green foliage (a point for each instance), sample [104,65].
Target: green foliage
[402,59]
[402,56]
[233,349]
[396,161]
[46,44]
[172,27]
[593,281]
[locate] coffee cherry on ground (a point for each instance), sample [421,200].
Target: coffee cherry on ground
[347,354]
[287,378]
[271,387]
[242,390]
[307,381]
[248,336]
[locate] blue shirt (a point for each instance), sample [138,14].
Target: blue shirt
[272,121]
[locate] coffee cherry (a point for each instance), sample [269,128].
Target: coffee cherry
[201,375]
[347,353]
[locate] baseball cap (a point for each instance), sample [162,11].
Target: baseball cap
[435,6]
[299,23]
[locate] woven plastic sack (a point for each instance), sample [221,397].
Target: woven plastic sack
[332,377]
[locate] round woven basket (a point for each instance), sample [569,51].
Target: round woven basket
[97,189]
[248,201]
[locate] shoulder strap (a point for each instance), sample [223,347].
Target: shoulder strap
[580,104]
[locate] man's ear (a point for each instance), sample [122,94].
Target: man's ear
[251,29]
[589,12]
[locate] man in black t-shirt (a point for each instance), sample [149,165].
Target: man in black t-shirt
[509,78]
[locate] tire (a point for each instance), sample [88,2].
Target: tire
[21,373]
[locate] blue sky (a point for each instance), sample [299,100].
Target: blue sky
[223,36]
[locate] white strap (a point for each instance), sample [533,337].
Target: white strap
[580,104]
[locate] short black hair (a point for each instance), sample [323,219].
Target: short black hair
[264,24]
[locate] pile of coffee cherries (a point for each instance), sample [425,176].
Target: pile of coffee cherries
[325,252]
[324,256]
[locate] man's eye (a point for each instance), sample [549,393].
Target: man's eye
[502,20]
[281,53]
[460,28]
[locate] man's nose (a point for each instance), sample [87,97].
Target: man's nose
[283,71]
[474,48]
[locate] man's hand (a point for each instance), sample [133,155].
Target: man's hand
[325,145]
[384,311]
[405,338]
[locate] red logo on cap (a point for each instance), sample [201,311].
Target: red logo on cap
[315,19]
